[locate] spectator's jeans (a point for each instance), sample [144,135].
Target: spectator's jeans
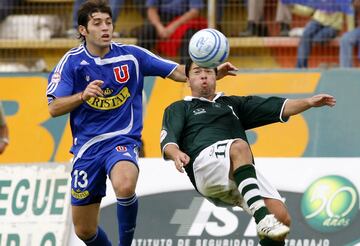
[347,43]
[314,33]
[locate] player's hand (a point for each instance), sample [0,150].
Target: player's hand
[169,30]
[2,147]
[322,100]
[181,159]
[226,69]
[93,90]
[161,31]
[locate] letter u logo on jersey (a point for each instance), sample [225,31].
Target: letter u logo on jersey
[121,73]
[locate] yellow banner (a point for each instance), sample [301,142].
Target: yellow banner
[36,137]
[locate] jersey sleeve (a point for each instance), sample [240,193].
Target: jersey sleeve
[255,111]
[61,80]
[153,65]
[172,125]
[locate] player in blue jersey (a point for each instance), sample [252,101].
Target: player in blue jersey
[100,84]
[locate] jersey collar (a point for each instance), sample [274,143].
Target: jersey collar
[96,57]
[218,94]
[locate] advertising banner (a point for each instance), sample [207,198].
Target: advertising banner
[322,195]
[323,132]
[34,205]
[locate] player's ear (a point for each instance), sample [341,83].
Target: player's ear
[82,30]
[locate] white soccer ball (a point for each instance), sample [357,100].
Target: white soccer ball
[208,48]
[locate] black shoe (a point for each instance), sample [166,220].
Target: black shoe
[284,30]
[262,30]
[251,30]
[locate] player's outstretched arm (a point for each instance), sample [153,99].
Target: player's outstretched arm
[178,74]
[296,106]
[64,105]
[180,159]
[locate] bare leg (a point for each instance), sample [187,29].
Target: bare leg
[85,219]
[279,209]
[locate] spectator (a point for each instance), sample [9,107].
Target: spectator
[174,21]
[283,18]
[4,131]
[326,22]
[349,40]
[255,25]
[115,6]
[323,27]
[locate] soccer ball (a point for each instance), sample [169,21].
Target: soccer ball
[208,48]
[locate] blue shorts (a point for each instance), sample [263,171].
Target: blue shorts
[88,176]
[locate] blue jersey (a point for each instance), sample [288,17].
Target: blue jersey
[115,118]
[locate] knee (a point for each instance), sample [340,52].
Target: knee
[240,148]
[85,231]
[306,36]
[124,188]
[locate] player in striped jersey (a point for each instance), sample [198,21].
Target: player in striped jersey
[100,84]
[205,134]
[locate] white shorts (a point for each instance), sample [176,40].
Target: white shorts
[211,172]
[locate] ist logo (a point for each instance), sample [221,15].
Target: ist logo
[203,217]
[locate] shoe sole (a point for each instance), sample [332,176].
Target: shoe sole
[278,237]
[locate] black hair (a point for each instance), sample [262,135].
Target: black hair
[88,8]
[188,64]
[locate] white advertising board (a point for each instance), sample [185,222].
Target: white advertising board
[295,178]
[34,204]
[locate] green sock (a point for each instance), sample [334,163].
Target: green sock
[269,242]
[260,214]
[245,178]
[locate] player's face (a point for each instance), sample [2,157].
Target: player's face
[98,33]
[202,81]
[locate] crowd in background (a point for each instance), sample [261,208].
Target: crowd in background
[168,24]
